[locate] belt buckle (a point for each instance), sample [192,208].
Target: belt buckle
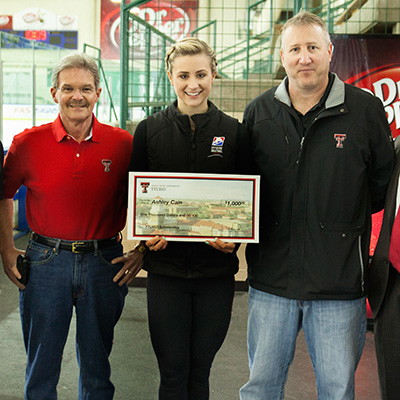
[75,247]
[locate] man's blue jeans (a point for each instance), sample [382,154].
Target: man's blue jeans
[334,332]
[60,280]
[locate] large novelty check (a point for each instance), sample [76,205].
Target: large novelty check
[193,207]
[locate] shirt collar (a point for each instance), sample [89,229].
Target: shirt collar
[282,92]
[59,132]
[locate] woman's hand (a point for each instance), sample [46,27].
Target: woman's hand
[225,247]
[157,243]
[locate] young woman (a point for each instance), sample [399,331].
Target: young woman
[190,286]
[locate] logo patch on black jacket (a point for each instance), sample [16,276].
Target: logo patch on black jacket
[340,138]
[217,145]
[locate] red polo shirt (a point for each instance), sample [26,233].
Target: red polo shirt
[75,191]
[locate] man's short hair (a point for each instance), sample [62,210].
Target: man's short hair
[76,60]
[304,18]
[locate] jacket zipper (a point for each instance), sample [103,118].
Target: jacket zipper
[193,145]
[361,264]
[301,148]
[189,266]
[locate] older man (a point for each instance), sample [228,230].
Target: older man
[75,170]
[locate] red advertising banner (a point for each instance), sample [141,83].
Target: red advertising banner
[173,18]
[373,64]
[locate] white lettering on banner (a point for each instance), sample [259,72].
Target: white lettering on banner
[114,30]
[18,117]
[392,90]
[175,24]
[176,28]
[392,107]
[396,117]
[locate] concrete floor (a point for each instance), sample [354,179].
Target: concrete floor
[134,367]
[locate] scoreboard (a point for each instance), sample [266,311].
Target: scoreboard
[63,39]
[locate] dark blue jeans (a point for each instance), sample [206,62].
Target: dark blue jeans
[60,280]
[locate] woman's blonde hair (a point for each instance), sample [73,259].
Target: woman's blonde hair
[189,47]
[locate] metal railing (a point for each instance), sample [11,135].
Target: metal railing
[205,26]
[245,38]
[143,48]
[103,77]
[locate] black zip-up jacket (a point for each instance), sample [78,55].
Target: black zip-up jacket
[317,192]
[164,142]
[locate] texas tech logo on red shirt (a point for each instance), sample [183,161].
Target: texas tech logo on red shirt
[107,164]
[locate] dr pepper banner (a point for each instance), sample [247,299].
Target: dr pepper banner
[173,18]
[372,63]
